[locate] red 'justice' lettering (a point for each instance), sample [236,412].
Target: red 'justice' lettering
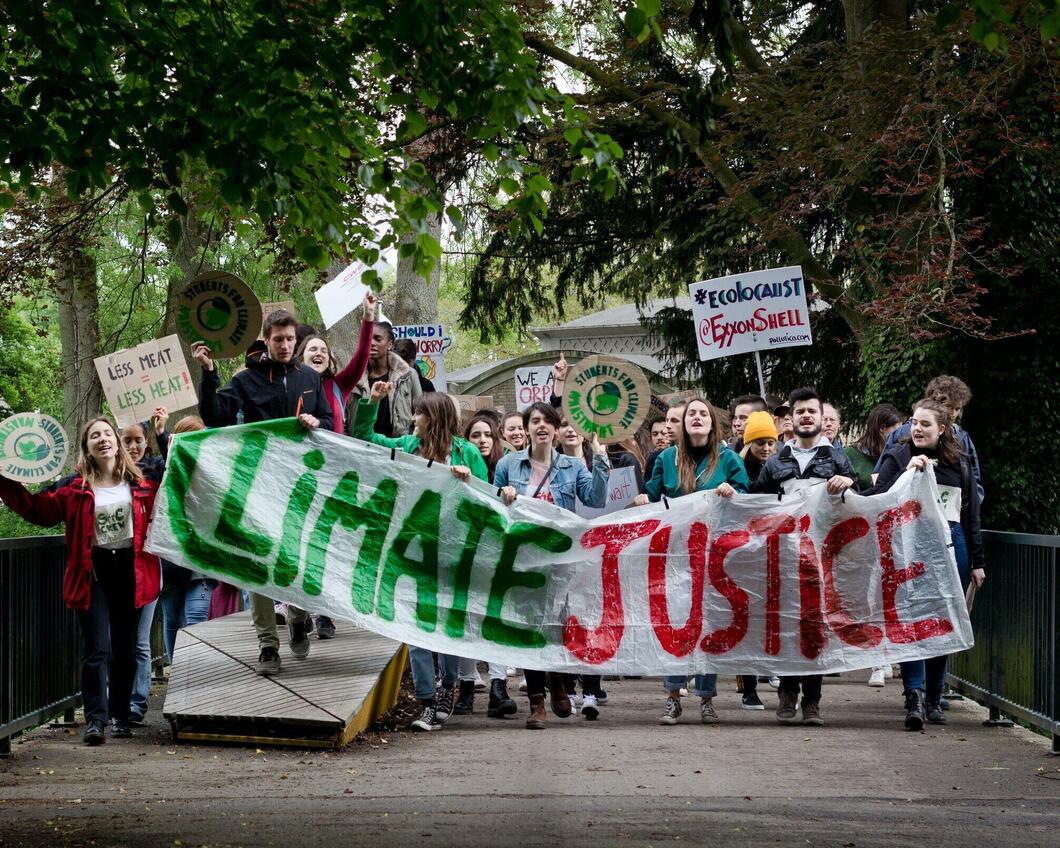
[812,634]
[678,641]
[853,633]
[897,631]
[725,638]
[772,526]
[600,644]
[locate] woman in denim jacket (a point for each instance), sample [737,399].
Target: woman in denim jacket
[542,472]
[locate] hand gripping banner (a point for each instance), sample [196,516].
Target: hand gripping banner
[811,583]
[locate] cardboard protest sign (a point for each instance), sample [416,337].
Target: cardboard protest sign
[470,404]
[431,345]
[138,379]
[33,447]
[341,295]
[272,306]
[742,313]
[806,584]
[220,309]
[606,397]
[533,385]
[621,490]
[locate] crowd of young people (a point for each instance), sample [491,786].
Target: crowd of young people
[771,446]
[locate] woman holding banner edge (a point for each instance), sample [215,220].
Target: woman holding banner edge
[931,441]
[700,461]
[540,471]
[435,437]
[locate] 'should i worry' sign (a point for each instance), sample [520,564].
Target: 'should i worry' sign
[810,583]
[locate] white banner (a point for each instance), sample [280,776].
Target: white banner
[747,312]
[809,583]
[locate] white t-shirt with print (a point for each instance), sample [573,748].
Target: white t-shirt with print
[114,523]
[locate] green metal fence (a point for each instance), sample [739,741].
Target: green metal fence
[1016,617]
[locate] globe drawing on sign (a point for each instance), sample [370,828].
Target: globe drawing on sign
[214,313]
[31,447]
[605,398]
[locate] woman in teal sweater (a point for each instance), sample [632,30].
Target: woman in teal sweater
[434,437]
[699,462]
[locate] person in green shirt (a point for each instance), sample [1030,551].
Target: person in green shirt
[700,461]
[436,425]
[884,419]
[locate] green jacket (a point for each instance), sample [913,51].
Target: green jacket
[463,452]
[665,480]
[863,466]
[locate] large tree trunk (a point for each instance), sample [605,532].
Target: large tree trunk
[187,256]
[416,298]
[78,299]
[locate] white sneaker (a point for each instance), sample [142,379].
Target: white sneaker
[683,692]
[573,700]
[480,684]
[522,685]
[888,671]
[877,677]
[590,710]
[510,671]
[774,681]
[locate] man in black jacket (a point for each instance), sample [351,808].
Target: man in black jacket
[808,461]
[273,385]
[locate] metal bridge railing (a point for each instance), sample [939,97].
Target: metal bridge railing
[40,669]
[1016,618]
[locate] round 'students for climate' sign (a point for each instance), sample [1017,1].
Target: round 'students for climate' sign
[220,309]
[32,447]
[606,397]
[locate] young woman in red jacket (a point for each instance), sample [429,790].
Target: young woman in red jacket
[109,577]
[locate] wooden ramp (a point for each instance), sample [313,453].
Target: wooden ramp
[322,701]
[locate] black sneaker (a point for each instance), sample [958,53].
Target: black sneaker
[427,721]
[601,697]
[95,733]
[325,627]
[119,729]
[751,701]
[268,661]
[299,639]
[136,720]
[444,707]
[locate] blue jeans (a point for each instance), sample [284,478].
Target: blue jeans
[422,662]
[706,685]
[930,675]
[182,606]
[142,676]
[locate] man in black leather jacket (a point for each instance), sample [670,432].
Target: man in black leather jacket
[807,462]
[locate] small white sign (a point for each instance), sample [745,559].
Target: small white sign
[533,384]
[621,490]
[748,312]
[339,297]
[431,344]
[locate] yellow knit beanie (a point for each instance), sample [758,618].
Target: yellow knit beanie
[759,426]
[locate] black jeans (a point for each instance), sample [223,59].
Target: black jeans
[108,636]
[811,687]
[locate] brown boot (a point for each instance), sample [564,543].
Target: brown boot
[557,686]
[536,719]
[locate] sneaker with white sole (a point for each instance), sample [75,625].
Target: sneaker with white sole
[751,701]
[672,711]
[522,685]
[444,706]
[889,672]
[707,713]
[427,721]
[299,643]
[878,677]
[774,681]
[589,709]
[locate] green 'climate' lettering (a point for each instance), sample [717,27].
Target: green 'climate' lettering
[422,523]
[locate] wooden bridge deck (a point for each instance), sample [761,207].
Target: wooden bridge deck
[322,701]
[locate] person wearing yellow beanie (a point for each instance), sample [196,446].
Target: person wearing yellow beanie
[760,442]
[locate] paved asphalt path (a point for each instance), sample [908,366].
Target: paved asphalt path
[624,780]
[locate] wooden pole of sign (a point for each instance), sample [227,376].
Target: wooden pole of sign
[761,379]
